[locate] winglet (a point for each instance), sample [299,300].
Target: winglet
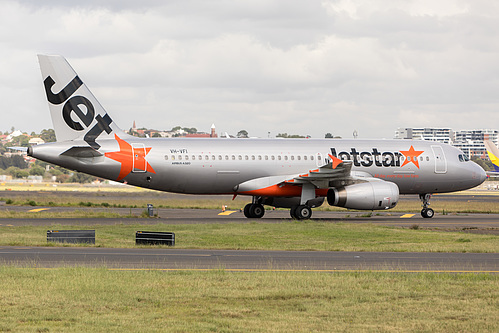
[336,161]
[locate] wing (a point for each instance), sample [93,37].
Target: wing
[335,173]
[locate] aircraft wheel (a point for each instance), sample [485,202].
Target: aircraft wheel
[257,211]
[427,213]
[292,212]
[303,212]
[247,210]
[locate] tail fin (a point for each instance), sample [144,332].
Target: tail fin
[76,113]
[493,153]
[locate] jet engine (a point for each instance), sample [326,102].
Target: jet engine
[371,195]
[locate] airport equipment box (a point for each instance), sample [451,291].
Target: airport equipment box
[71,236]
[154,238]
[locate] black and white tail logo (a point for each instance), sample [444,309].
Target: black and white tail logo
[81,107]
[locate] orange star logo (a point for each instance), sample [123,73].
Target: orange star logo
[131,158]
[411,155]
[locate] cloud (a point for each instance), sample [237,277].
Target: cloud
[266,66]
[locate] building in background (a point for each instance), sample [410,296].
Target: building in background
[469,141]
[442,135]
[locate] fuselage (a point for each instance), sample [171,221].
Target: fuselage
[217,166]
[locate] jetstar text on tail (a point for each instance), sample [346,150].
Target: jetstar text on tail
[380,159]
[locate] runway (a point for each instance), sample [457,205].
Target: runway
[181,259]
[475,223]
[232,260]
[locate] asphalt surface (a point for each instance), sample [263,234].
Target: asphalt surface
[476,223]
[180,259]
[232,260]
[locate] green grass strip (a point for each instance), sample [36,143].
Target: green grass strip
[101,300]
[287,235]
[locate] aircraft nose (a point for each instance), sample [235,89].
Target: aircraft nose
[480,175]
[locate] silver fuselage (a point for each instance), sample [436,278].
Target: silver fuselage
[217,166]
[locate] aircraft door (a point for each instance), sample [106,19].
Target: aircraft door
[440,162]
[139,157]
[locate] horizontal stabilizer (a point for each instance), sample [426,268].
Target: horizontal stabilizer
[19,148]
[81,151]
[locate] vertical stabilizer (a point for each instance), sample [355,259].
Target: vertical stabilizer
[493,153]
[76,113]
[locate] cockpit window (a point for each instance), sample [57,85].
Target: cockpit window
[463,158]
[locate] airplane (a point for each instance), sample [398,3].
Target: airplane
[298,174]
[493,153]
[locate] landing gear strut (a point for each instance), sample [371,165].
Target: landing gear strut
[426,212]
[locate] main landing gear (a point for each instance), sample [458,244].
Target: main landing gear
[254,210]
[426,212]
[301,212]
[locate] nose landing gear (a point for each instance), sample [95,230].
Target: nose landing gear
[426,212]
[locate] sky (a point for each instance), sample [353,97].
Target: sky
[305,67]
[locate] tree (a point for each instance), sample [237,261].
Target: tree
[190,130]
[329,136]
[156,135]
[16,161]
[37,171]
[17,173]
[48,135]
[242,134]
[19,141]
[79,177]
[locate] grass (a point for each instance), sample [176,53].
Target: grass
[287,235]
[101,300]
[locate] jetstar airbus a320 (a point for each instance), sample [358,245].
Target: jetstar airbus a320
[295,174]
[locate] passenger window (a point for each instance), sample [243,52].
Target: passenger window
[253,157]
[305,157]
[260,157]
[220,157]
[286,158]
[233,157]
[246,157]
[226,157]
[206,157]
[420,158]
[273,157]
[200,157]
[173,157]
[298,157]
[292,157]
[213,157]
[240,157]
[193,157]
[180,157]
[279,157]
[166,157]
[311,157]
[427,158]
[186,157]
[266,157]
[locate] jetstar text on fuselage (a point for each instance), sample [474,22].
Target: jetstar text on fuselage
[370,158]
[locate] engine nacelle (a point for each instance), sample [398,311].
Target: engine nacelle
[372,195]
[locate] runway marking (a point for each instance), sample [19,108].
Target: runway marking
[227,212]
[37,210]
[407,216]
[300,270]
